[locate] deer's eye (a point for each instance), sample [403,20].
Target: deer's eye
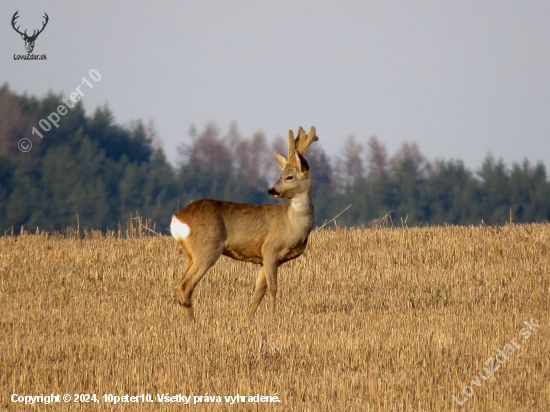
[289,177]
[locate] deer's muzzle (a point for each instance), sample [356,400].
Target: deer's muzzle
[273,192]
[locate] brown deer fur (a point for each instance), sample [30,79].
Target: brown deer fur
[268,235]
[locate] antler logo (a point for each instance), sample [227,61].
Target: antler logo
[29,40]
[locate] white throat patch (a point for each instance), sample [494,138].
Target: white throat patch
[300,203]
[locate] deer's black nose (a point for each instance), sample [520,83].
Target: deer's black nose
[272,192]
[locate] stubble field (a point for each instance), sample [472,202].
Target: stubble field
[388,319]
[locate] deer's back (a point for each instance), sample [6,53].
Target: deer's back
[244,229]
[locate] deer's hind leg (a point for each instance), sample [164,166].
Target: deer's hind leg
[201,260]
[181,284]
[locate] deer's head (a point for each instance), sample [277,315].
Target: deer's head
[294,179]
[29,40]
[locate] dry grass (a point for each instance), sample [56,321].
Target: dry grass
[390,319]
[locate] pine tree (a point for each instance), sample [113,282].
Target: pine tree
[495,191]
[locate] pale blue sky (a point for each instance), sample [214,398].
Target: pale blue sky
[459,78]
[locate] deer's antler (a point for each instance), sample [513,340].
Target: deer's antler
[303,141]
[15,16]
[34,34]
[291,145]
[43,25]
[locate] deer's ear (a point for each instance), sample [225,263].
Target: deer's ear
[298,160]
[281,160]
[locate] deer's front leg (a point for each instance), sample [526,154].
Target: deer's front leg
[261,286]
[270,268]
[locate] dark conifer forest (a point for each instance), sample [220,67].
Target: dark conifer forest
[94,172]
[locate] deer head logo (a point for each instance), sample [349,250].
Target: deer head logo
[29,40]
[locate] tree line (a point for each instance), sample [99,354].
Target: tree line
[94,172]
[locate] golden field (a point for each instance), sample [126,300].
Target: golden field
[396,319]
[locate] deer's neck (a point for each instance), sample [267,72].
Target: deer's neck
[301,211]
[302,203]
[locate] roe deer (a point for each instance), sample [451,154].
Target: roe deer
[268,235]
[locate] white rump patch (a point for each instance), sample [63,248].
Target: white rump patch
[178,229]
